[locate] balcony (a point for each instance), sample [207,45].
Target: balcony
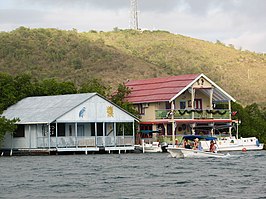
[198,114]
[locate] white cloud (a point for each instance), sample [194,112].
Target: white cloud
[249,41]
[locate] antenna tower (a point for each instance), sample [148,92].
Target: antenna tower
[134,24]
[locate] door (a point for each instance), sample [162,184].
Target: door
[198,104]
[80,130]
[109,134]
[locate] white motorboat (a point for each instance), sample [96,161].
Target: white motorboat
[191,153]
[153,147]
[186,151]
[234,144]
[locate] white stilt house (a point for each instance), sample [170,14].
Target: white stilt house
[75,122]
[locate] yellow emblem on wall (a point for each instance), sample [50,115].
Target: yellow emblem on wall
[110,111]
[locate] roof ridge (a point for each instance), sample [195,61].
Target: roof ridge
[167,77]
[160,79]
[42,96]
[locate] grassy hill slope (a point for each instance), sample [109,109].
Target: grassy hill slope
[119,55]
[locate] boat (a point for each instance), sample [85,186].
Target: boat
[185,151]
[190,153]
[153,147]
[232,143]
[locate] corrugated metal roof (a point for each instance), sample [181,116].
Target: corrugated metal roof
[219,95]
[44,109]
[169,88]
[158,89]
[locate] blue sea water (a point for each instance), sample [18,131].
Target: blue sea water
[242,175]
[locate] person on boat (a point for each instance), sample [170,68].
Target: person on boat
[186,144]
[212,147]
[196,144]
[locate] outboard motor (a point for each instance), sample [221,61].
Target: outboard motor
[164,145]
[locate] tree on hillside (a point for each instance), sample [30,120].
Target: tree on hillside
[94,85]
[257,120]
[252,121]
[7,91]
[54,87]
[12,89]
[119,99]
[24,86]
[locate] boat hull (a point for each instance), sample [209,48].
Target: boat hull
[155,147]
[234,144]
[241,148]
[190,153]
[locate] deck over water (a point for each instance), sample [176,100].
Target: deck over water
[73,150]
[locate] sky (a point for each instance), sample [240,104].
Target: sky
[241,23]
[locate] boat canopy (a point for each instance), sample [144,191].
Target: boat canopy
[200,137]
[148,131]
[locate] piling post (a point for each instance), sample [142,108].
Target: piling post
[143,150]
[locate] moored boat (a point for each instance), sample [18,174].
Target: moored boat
[234,144]
[153,147]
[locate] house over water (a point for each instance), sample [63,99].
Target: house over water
[70,123]
[178,105]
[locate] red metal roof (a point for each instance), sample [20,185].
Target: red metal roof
[158,89]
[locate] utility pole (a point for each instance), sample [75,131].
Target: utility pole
[134,24]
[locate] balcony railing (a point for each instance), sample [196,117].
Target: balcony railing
[198,114]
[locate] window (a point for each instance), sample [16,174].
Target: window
[141,110]
[189,104]
[92,129]
[20,131]
[146,127]
[70,130]
[169,129]
[197,103]
[168,105]
[44,129]
[120,129]
[182,104]
[99,129]
[61,129]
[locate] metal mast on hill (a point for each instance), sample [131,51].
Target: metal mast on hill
[134,24]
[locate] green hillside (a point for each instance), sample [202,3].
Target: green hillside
[119,55]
